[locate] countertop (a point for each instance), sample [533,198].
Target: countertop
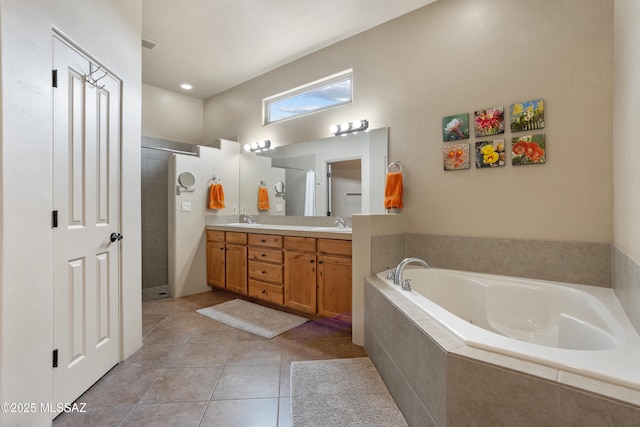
[285,230]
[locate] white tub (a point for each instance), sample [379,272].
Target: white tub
[576,328]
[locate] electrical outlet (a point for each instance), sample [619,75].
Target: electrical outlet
[186,207]
[244,209]
[279,207]
[235,209]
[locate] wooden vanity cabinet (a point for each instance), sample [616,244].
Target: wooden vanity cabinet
[307,274]
[236,262]
[300,273]
[215,259]
[334,279]
[266,270]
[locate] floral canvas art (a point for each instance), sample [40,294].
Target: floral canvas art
[455,127]
[489,121]
[527,115]
[456,156]
[490,154]
[528,150]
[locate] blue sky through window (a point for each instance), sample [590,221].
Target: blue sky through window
[326,96]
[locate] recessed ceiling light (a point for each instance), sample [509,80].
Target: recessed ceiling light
[186,86]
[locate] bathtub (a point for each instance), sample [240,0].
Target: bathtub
[577,328]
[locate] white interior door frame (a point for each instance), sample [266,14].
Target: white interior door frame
[87,138]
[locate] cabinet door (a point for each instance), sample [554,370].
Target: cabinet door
[215,264]
[334,287]
[236,271]
[300,281]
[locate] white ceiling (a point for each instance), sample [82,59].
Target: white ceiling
[217,44]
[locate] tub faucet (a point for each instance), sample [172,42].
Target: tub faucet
[400,268]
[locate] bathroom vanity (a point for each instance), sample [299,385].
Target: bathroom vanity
[305,269]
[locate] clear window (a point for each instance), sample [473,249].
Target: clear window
[313,97]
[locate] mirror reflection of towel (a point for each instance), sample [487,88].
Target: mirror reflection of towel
[216,196]
[263,199]
[310,194]
[393,190]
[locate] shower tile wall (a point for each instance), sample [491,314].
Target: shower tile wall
[155,197]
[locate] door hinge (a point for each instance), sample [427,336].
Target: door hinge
[55,358]
[54,78]
[328,174]
[54,219]
[328,213]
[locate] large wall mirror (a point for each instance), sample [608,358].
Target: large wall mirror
[335,176]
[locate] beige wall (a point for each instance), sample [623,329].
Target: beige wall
[110,30]
[457,56]
[171,116]
[626,149]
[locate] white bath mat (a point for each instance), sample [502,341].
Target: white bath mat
[341,392]
[254,318]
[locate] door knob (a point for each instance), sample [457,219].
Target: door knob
[115,236]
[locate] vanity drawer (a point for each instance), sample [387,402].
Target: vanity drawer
[266,272]
[234,237]
[265,255]
[301,244]
[214,235]
[334,247]
[266,292]
[265,240]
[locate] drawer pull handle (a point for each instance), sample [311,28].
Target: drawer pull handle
[263,241]
[263,255]
[264,272]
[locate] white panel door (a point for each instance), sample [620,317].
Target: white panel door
[86,165]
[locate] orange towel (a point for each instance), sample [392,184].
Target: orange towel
[263,199]
[393,190]
[216,196]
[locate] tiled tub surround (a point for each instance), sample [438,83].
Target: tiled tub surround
[626,285]
[436,380]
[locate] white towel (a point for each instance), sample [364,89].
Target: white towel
[310,194]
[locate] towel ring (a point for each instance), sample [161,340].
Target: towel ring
[261,183]
[396,164]
[215,179]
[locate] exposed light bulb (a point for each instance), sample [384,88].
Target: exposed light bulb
[334,128]
[247,147]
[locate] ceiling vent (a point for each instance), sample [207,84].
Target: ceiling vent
[149,44]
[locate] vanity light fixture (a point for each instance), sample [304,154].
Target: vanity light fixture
[258,146]
[353,127]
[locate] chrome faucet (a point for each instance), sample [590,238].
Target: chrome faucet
[397,280]
[249,219]
[340,223]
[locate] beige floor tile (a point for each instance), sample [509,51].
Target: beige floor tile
[94,417]
[344,348]
[245,413]
[125,384]
[183,385]
[248,353]
[154,355]
[284,412]
[182,414]
[245,382]
[201,355]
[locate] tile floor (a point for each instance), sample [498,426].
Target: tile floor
[195,371]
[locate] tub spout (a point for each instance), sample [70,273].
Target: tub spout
[400,268]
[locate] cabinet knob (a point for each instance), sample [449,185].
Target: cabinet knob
[263,255]
[311,261]
[263,240]
[264,291]
[319,262]
[264,272]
